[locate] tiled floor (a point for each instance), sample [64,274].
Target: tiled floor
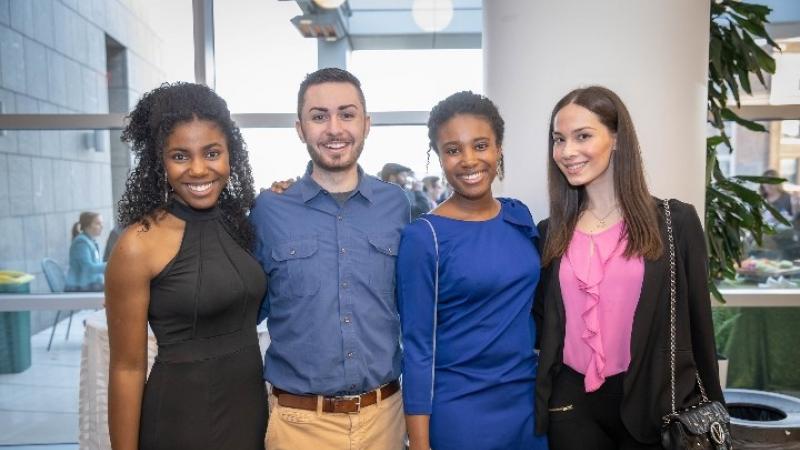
[40,405]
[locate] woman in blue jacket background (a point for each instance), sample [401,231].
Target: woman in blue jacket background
[86,266]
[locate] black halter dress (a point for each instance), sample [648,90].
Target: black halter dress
[205,390]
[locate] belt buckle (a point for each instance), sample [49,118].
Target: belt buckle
[354,398]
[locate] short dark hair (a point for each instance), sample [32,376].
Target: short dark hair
[429,180]
[393,169]
[328,75]
[464,102]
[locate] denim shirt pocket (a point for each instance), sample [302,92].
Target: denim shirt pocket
[382,257]
[298,261]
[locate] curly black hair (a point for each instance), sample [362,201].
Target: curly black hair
[466,102]
[150,124]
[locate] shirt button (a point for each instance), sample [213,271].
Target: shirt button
[346,319]
[342,250]
[339,217]
[292,252]
[349,354]
[344,284]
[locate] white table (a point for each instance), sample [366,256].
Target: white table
[93,397]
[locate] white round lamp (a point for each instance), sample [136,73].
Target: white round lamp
[432,15]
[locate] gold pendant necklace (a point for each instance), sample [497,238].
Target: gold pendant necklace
[602,220]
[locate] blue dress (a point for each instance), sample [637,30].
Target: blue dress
[468,360]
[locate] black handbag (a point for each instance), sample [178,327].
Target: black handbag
[702,426]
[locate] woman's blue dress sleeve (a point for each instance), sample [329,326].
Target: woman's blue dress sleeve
[416,264]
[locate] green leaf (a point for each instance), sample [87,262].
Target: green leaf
[727,114]
[764,59]
[714,141]
[750,9]
[715,54]
[744,81]
[733,86]
[752,27]
[760,179]
[777,214]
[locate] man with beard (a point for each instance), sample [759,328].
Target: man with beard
[329,244]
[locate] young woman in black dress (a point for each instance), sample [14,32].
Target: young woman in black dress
[183,266]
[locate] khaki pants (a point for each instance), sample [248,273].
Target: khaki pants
[377,427]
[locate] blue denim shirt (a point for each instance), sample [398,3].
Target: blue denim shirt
[330,306]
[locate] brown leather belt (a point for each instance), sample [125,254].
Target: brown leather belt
[344,405]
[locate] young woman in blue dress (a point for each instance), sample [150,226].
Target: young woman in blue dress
[466,276]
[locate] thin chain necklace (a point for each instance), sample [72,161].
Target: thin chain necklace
[601,224]
[602,220]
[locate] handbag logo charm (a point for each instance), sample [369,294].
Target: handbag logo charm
[718,433]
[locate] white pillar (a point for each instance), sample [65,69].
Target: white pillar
[653,53]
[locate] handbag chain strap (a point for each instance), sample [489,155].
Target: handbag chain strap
[672,314]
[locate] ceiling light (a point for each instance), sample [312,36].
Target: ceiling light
[432,15]
[329,4]
[326,25]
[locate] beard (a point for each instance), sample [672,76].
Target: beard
[341,163]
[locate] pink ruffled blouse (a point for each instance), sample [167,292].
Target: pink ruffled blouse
[601,289]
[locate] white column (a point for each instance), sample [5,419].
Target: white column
[653,53]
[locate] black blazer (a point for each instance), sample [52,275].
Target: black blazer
[646,397]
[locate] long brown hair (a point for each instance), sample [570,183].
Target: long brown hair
[567,202]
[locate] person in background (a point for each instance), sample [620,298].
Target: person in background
[466,276]
[603,305]
[111,241]
[86,268]
[432,187]
[776,195]
[404,177]
[183,266]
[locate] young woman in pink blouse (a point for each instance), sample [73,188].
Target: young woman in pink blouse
[603,300]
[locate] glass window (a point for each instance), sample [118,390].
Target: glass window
[776,262]
[53,176]
[426,77]
[275,154]
[406,145]
[278,154]
[260,56]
